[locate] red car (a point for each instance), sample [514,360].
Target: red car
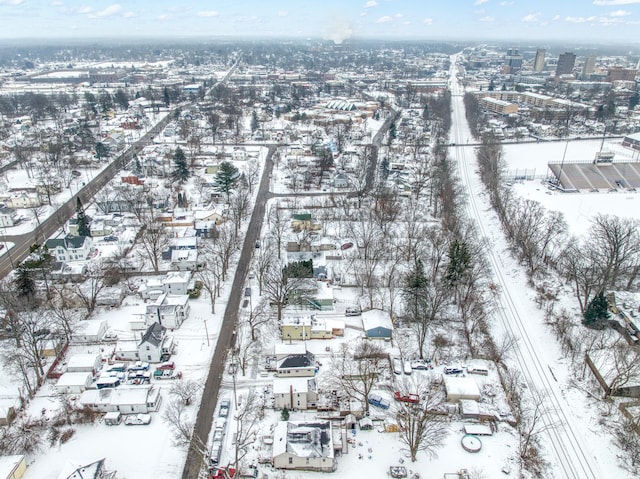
[412,398]
[166,366]
[222,473]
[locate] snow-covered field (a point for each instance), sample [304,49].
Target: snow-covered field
[578,208]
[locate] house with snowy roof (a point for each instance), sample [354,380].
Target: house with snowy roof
[297,365]
[304,446]
[70,248]
[168,310]
[155,346]
[295,393]
[127,400]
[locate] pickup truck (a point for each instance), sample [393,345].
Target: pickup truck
[167,374]
[378,401]
[412,398]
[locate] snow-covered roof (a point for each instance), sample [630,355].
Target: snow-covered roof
[286,385]
[74,379]
[83,360]
[303,439]
[90,327]
[461,386]
[376,318]
[282,349]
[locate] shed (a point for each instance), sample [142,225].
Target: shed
[469,409]
[12,467]
[88,362]
[90,331]
[458,388]
[377,324]
[74,383]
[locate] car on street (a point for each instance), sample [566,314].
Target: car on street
[225,404]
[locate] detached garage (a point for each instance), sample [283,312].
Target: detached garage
[458,388]
[377,324]
[90,331]
[74,382]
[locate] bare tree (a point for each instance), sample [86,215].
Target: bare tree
[262,262]
[624,367]
[533,420]
[89,290]
[211,274]
[256,317]
[176,416]
[248,415]
[185,390]
[239,208]
[154,239]
[423,426]
[278,227]
[356,369]
[279,285]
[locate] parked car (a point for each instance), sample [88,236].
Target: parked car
[225,404]
[167,374]
[222,472]
[138,366]
[138,420]
[421,365]
[353,311]
[378,401]
[110,238]
[412,398]
[453,369]
[166,365]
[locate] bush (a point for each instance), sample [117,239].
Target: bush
[66,435]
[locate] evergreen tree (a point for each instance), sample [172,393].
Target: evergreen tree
[414,291]
[167,98]
[83,220]
[459,262]
[254,121]
[492,85]
[226,178]
[25,284]
[180,171]
[285,414]
[137,166]
[102,151]
[597,312]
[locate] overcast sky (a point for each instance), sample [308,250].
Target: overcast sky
[579,20]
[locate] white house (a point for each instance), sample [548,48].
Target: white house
[126,351]
[89,331]
[155,346]
[24,200]
[74,382]
[177,282]
[304,446]
[184,259]
[297,365]
[84,363]
[169,311]
[127,400]
[295,393]
[71,248]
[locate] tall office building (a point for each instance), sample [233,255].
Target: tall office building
[589,66]
[566,62]
[513,59]
[538,63]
